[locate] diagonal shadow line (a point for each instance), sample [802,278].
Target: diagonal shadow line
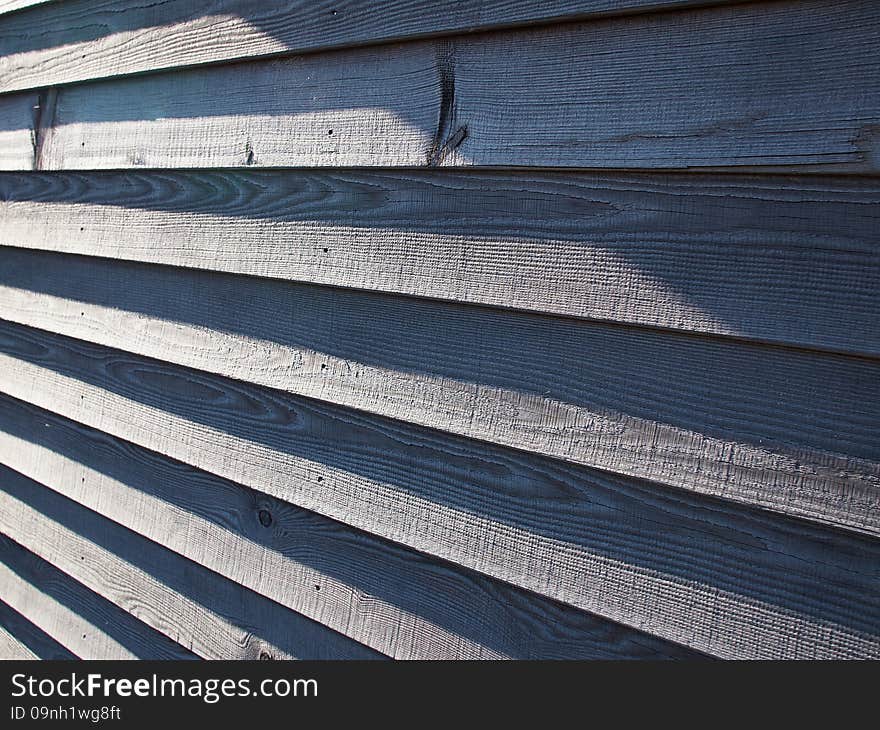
[285,629]
[78,21]
[695,539]
[350,555]
[772,398]
[27,30]
[753,254]
[308,87]
[33,637]
[140,639]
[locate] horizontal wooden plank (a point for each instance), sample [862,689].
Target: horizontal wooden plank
[30,641]
[310,111]
[770,258]
[87,624]
[398,601]
[766,84]
[203,612]
[84,39]
[663,560]
[783,429]
[762,85]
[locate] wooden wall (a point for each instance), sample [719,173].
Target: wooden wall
[473,329]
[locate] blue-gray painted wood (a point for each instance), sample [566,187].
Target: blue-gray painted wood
[193,606]
[19,122]
[783,429]
[86,623]
[398,601]
[84,39]
[691,252]
[660,559]
[779,85]
[687,457]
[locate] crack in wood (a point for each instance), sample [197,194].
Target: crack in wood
[44,118]
[446,72]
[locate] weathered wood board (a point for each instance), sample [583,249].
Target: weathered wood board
[624,549]
[84,39]
[375,591]
[194,607]
[784,429]
[85,623]
[22,639]
[781,85]
[691,252]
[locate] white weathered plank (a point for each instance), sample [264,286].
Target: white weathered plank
[196,608]
[80,620]
[692,252]
[8,6]
[12,648]
[778,428]
[625,549]
[769,85]
[400,602]
[29,637]
[86,39]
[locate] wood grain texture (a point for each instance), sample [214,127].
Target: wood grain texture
[771,258]
[778,84]
[303,112]
[87,624]
[8,6]
[196,608]
[398,601]
[763,85]
[787,430]
[28,637]
[668,562]
[12,649]
[84,39]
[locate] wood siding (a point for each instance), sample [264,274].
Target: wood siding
[448,331]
